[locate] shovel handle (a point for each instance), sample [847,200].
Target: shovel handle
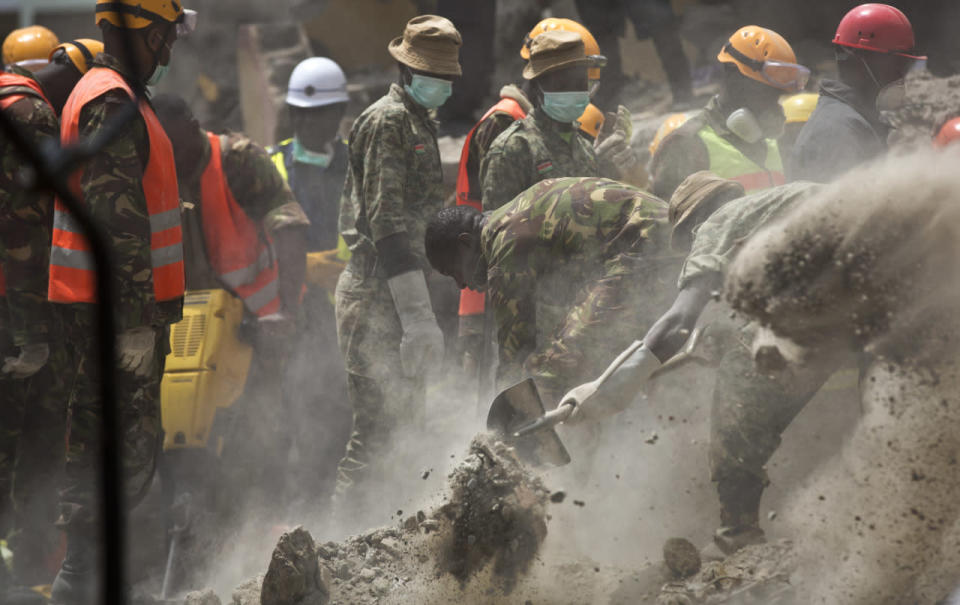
[548,420]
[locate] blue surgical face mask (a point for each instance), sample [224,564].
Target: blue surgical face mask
[158,73]
[304,156]
[429,92]
[565,106]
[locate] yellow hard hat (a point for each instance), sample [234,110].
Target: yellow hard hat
[138,14]
[81,52]
[590,46]
[592,120]
[672,122]
[765,56]
[797,108]
[29,44]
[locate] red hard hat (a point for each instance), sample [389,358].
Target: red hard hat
[949,133]
[877,27]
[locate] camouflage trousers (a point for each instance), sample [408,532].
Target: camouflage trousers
[387,407]
[750,412]
[141,432]
[33,417]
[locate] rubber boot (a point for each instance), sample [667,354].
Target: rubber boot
[76,582]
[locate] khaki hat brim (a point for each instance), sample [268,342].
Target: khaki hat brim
[434,61]
[532,70]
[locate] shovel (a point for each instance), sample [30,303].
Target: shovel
[517,407]
[556,416]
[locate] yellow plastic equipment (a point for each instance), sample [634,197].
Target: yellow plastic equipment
[206,369]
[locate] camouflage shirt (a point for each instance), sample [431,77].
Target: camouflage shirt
[718,239]
[530,150]
[26,222]
[553,241]
[487,132]
[257,187]
[112,188]
[394,182]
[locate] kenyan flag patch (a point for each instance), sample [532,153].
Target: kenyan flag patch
[419,149]
[544,167]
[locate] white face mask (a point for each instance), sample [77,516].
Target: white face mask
[893,96]
[745,125]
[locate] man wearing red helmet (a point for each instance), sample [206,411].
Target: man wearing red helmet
[874,45]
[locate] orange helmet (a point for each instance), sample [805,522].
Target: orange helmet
[672,122]
[592,120]
[81,52]
[590,45]
[765,56]
[949,133]
[29,47]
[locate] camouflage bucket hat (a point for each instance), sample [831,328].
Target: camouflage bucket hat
[701,191]
[429,43]
[555,49]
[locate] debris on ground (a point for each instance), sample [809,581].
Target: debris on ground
[202,597]
[758,573]
[294,576]
[682,557]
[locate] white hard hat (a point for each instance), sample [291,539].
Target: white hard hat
[316,82]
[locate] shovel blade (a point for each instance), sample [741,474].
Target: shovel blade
[516,407]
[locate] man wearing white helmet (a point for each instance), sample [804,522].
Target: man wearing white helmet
[314,164]
[314,161]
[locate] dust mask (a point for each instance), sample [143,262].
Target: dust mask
[565,107]
[893,96]
[428,92]
[159,72]
[745,125]
[303,155]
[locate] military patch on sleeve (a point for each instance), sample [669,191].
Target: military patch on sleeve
[544,167]
[419,149]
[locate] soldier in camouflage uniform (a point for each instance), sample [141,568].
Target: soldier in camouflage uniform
[260,440]
[564,265]
[751,408]
[547,143]
[39,365]
[385,322]
[121,187]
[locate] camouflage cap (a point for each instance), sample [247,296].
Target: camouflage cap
[429,43]
[554,49]
[698,196]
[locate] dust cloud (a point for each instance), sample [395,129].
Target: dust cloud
[870,264]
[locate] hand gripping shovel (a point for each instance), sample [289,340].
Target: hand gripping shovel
[526,427]
[516,407]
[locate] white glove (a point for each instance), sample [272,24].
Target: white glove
[135,349]
[421,348]
[616,388]
[32,357]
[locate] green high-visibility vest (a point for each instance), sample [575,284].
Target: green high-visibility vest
[728,162]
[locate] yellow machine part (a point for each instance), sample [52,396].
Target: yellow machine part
[206,369]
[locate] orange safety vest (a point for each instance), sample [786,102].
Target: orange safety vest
[71,264]
[8,98]
[243,260]
[471,301]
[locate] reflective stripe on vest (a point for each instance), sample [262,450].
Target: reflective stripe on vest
[244,262]
[471,301]
[71,264]
[729,162]
[12,90]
